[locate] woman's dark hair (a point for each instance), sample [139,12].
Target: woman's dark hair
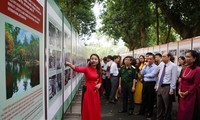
[171,57]
[194,54]
[133,62]
[140,61]
[182,58]
[98,67]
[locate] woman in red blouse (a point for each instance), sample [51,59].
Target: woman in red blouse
[188,87]
[91,100]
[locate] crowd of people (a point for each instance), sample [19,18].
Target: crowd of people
[153,81]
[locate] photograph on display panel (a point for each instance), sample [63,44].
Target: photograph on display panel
[54,59]
[67,76]
[67,70]
[197,49]
[182,52]
[173,52]
[74,63]
[55,36]
[22,60]
[54,85]
[58,60]
[162,52]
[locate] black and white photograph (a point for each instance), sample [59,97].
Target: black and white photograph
[55,60]
[67,76]
[55,36]
[182,52]
[58,60]
[55,85]
[173,52]
[52,31]
[58,38]
[52,86]
[52,59]
[197,49]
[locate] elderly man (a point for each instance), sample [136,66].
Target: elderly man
[165,87]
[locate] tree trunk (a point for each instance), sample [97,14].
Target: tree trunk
[142,35]
[157,27]
[168,34]
[133,53]
[196,30]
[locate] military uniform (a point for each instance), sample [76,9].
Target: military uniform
[127,74]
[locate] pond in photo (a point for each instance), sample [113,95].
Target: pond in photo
[20,78]
[22,60]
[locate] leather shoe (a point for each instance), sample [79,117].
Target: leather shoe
[148,116]
[122,111]
[139,113]
[112,101]
[130,112]
[116,100]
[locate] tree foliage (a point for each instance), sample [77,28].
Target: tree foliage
[127,20]
[182,15]
[135,23]
[80,14]
[19,49]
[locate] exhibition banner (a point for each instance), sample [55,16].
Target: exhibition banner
[163,48]
[173,49]
[156,49]
[196,44]
[21,48]
[184,45]
[28,12]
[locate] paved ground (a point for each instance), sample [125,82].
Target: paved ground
[109,111]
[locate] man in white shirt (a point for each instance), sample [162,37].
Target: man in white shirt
[114,78]
[107,74]
[165,87]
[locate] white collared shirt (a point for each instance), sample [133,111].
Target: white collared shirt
[114,69]
[170,74]
[108,65]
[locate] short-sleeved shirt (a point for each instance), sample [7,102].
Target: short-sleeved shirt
[127,74]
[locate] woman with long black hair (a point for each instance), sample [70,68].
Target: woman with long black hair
[91,100]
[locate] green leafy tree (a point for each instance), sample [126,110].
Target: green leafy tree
[34,48]
[125,20]
[80,14]
[182,15]
[137,23]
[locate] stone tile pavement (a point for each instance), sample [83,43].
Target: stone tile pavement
[109,111]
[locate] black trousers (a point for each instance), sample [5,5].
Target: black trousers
[127,95]
[107,87]
[148,97]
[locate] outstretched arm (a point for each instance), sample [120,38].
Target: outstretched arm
[70,65]
[75,68]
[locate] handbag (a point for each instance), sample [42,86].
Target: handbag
[84,88]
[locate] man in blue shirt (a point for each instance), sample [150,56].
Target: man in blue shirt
[149,73]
